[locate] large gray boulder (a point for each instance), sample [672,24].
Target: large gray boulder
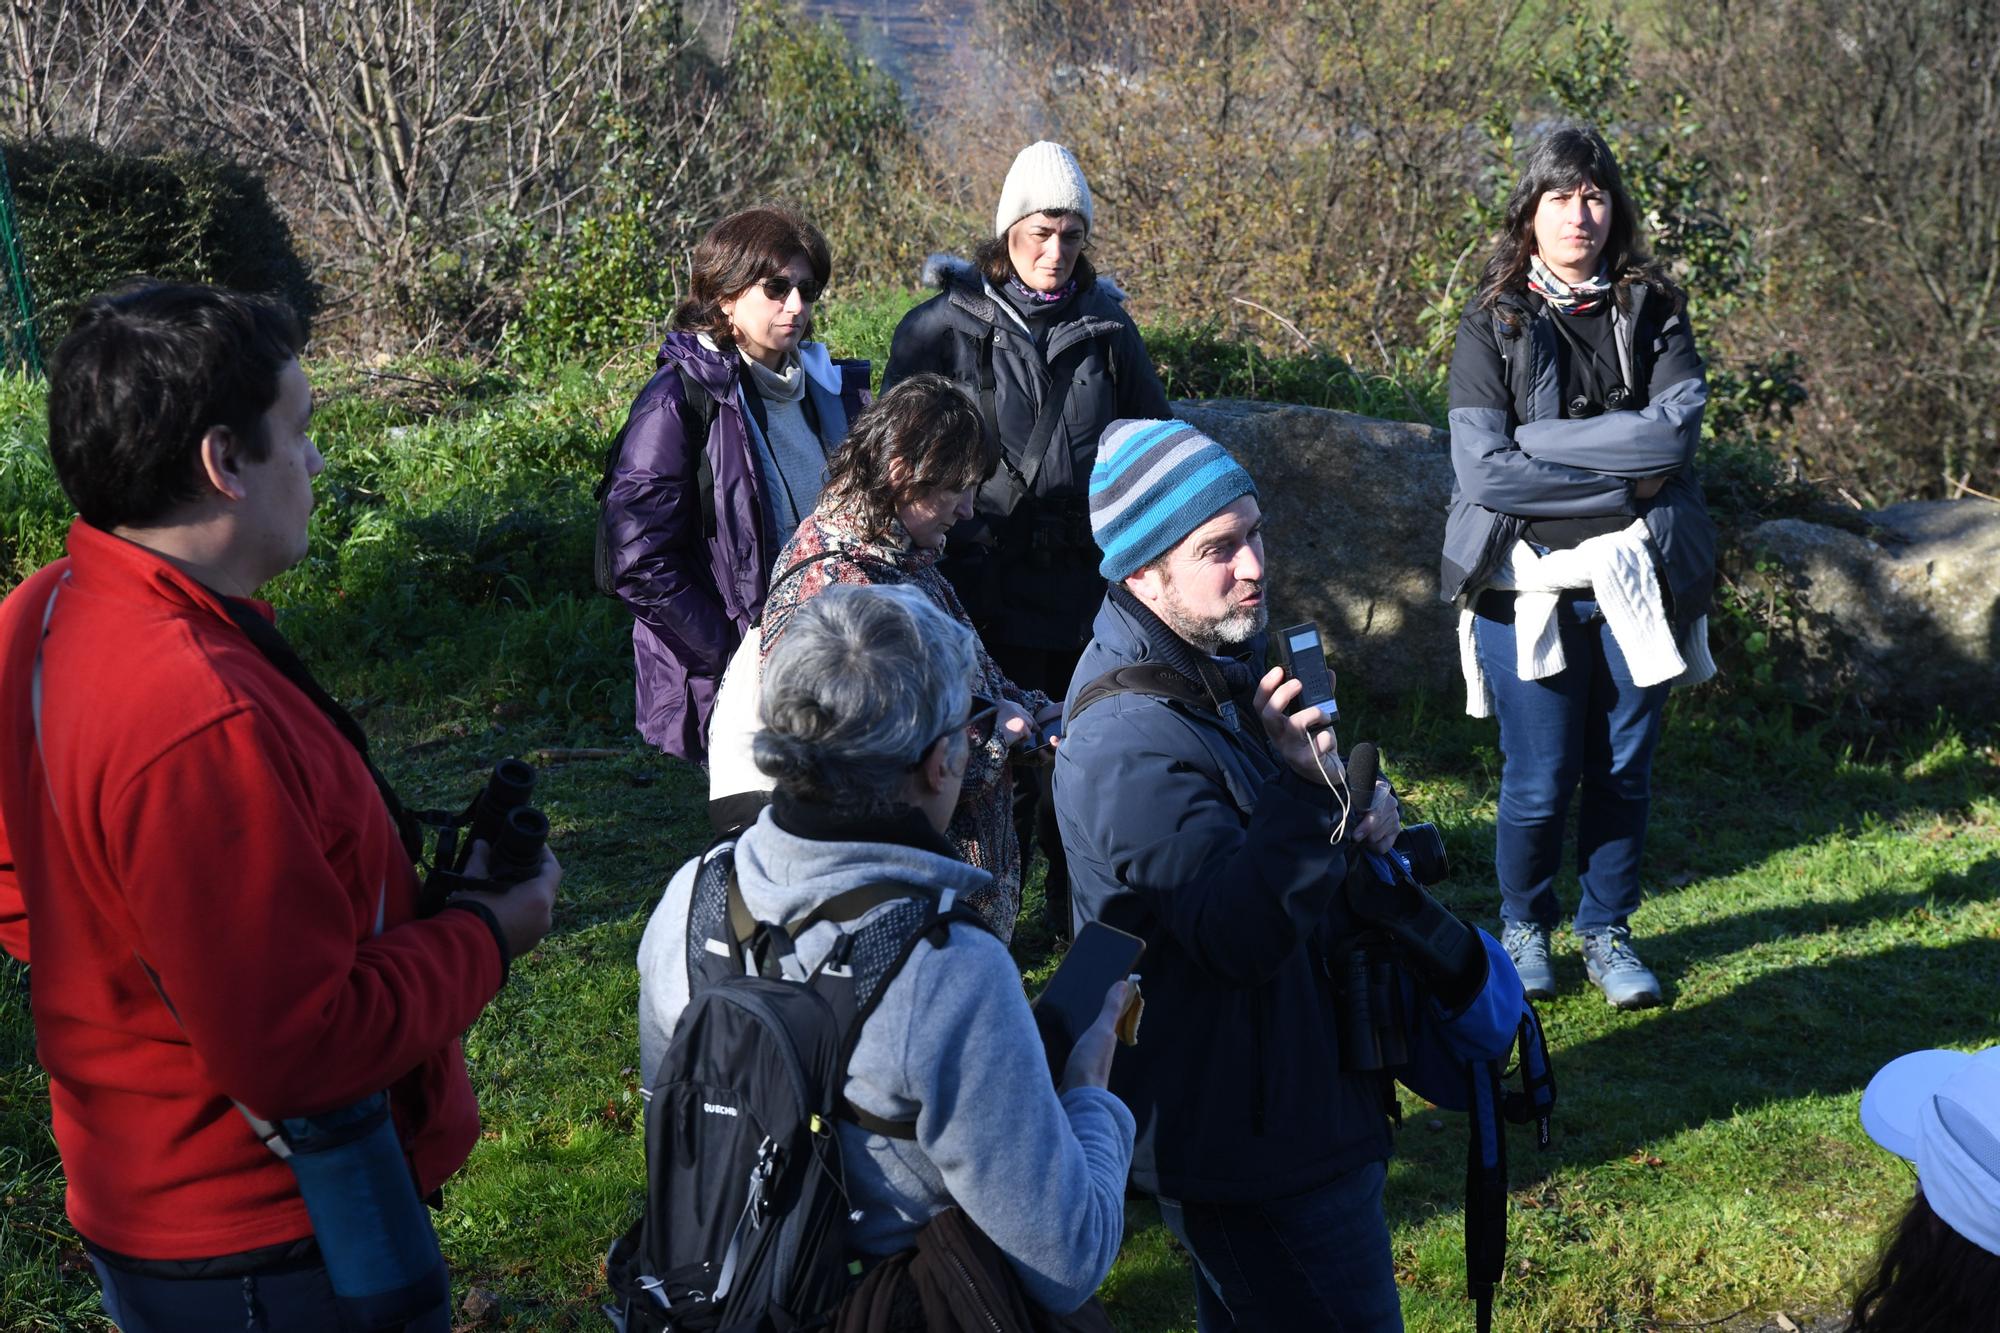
[1905,619]
[1355,516]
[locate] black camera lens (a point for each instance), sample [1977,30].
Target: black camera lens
[1618,399]
[1423,847]
[1584,406]
[517,852]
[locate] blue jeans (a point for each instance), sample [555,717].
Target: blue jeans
[287,1298]
[1318,1260]
[1587,723]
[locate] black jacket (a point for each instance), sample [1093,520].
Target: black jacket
[1515,457]
[1025,565]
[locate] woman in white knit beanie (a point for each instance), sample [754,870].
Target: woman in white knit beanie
[1045,347]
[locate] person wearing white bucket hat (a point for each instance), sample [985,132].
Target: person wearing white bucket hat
[1940,1267]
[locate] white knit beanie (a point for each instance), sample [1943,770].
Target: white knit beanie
[1045,177]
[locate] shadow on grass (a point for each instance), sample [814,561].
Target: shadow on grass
[1734,782]
[1802,1031]
[1675,951]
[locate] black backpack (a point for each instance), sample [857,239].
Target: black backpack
[745,1221]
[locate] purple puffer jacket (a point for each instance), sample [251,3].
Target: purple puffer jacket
[693,595]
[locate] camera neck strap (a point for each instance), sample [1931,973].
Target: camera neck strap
[264,636]
[1604,375]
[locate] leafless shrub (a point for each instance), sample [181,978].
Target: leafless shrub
[1865,140]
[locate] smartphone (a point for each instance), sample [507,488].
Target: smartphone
[1074,996]
[1304,657]
[1040,748]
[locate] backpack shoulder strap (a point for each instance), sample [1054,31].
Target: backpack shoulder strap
[929,916]
[989,409]
[698,409]
[712,939]
[1150,678]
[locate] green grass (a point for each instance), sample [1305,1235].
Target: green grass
[1822,896]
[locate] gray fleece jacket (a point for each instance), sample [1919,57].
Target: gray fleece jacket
[953,1047]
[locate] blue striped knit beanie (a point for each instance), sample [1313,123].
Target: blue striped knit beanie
[1155,482]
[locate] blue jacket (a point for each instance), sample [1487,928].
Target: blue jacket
[1186,830]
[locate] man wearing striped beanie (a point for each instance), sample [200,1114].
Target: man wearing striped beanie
[1200,815]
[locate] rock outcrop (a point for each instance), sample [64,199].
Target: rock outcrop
[1906,619]
[1354,509]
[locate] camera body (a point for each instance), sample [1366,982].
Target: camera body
[1401,931]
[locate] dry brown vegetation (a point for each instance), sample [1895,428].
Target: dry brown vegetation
[1308,175]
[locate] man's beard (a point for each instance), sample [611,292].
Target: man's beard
[1210,633]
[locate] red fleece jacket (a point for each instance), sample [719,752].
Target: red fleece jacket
[208,818]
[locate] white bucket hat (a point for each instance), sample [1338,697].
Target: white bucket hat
[1941,1110]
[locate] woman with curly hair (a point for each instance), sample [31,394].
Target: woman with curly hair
[907,473]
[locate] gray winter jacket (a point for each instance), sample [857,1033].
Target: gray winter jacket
[1516,458]
[1025,564]
[952,1046]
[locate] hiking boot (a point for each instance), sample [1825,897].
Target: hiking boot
[1528,945]
[1614,969]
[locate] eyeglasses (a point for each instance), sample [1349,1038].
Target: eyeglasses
[778,286]
[978,726]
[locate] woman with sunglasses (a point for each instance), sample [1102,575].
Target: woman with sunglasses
[907,473]
[724,451]
[1578,545]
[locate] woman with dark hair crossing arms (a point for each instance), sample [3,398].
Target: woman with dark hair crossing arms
[725,450]
[1578,544]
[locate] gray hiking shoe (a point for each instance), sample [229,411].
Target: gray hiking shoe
[1528,945]
[1614,969]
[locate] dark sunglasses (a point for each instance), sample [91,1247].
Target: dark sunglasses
[978,725]
[778,286]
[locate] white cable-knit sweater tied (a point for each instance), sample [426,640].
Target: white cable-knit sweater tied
[1617,570]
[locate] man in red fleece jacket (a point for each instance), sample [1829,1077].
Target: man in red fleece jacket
[180,822]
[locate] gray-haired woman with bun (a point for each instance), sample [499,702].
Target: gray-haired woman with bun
[868,717]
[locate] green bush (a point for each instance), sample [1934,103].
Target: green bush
[34,512]
[801,121]
[91,218]
[860,321]
[1198,361]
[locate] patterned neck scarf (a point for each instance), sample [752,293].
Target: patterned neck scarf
[1571,298]
[1023,292]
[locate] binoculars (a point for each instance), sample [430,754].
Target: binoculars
[514,831]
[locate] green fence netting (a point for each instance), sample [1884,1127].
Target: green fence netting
[19,347]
